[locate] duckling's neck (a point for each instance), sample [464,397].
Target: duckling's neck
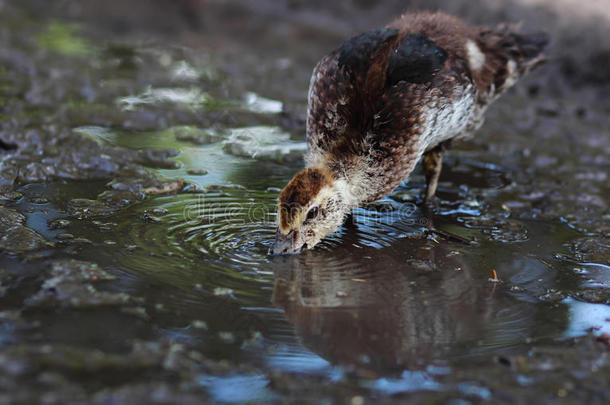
[366,177]
[355,181]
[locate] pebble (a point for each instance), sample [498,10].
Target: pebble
[198,324]
[158,211]
[197,172]
[59,224]
[83,241]
[227,337]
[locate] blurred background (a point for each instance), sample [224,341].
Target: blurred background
[292,34]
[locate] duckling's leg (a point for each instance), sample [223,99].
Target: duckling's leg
[432,162]
[349,219]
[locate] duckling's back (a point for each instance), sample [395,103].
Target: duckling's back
[385,97]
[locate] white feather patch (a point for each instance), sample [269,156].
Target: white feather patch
[476,58]
[445,120]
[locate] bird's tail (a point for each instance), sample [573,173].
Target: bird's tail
[513,54]
[525,49]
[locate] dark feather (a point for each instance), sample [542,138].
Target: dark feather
[416,60]
[357,53]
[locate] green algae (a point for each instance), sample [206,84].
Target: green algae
[63,38]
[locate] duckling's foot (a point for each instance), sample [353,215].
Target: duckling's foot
[431,205]
[433,163]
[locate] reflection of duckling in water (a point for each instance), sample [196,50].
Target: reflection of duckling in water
[382,310]
[384,99]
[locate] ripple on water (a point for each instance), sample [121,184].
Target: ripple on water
[236,227]
[221,238]
[224,225]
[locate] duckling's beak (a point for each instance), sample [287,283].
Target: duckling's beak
[286,244]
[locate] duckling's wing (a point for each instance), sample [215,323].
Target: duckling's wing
[343,88]
[347,85]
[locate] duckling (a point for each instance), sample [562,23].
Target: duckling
[383,100]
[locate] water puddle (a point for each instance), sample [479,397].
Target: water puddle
[381,296]
[395,289]
[195,98]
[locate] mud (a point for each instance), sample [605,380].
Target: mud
[142,147]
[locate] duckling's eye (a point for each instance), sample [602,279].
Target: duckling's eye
[313,212]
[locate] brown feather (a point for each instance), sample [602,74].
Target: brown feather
[303,187]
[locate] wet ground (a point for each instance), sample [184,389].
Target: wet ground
[142,148]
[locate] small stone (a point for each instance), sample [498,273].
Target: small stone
[197,172]
[150,218]
[223,292]
[83,241]
[159,211]
[197,324]
[227,337]
[11,196]
[70,283]
[139,312]
[65,236]
[82,208]
[16,238]
[194,135]
[165,187]
[357,400]
[105,226]
[59,224]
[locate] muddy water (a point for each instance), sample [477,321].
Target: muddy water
[109,268]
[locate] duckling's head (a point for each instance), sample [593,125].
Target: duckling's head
[310,207]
